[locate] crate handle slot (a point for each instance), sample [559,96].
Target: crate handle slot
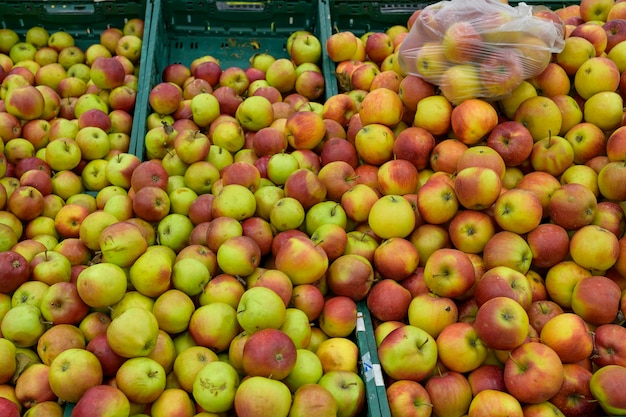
[240,6]
[398,9]
[72,9]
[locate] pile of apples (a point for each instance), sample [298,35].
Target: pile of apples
[217,269]
[508,298]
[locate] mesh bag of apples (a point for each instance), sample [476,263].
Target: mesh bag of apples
[480,49]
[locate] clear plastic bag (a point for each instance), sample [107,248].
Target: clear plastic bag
[480,48]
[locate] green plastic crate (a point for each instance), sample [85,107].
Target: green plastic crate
[231,31]
[370,368]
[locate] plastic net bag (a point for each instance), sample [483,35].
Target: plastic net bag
[480,48]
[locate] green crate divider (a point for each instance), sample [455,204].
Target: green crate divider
[371,370]
[84,20]
[230,31]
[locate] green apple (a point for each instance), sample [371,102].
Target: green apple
[23,325]
[77,365]
[348,389]
[255,113]
[190,276]
[214,325]
[173,309]
[151,273]
[307,370]
[189,362]
[262,397]
[260,308]
[214,387]
[102,284]
[141,379]
[204,108]
[122,243]
[408,342]
[133,333]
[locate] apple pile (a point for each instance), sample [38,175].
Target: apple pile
[510,297]
[65,112]
[217,271]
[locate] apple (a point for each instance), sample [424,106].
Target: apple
[215,386]
[23,325]
[235,78]
[573,342]
[262,397]
[540,311]
[374,143]
[101,399]
[575,397]
[9,407]
[572,206]
[255,113]
[32,385]
[94,323]
[431,312]
[270,353]
[61,304]
[260,308]
[596,300]
[459,347]
[510,205]
[539,363]
[101,285]
[141,379]
[338,317]
[341,46]
[414,342]
[503,281]
[309,299]
[313,397]
[603,384]
[15,271]
[450,393]
[494,401]
[487,376]
[133,333]
[273,279]
[81,366]
[109,360]
[449,272]
[611,118]
[381,106]
[151,273]
[502,323]
[347,388]
[408,398]
[471,230]
[58,338]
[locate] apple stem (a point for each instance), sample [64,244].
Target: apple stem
[516,362]
[421,345]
